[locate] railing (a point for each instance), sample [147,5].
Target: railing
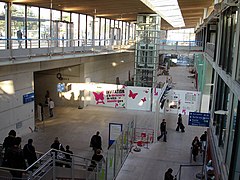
[49,166]
[14,49]
[166,45]
[189,170]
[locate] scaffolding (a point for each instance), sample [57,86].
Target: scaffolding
[146,51]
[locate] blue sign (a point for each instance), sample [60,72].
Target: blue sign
[199,119]
[60,87]
[28,98]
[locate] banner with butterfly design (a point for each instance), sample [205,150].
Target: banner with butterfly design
[138,98]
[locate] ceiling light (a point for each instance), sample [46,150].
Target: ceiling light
[114,64]
[168,10]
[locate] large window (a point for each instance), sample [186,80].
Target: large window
[65,16]
[3,26]
[18,26]
[56,15]
[33,26]
[232,130]
[75,21]
[83,28]
[89,29]
[107,32]
[44,27]
[124,33]
[228,36]
[96,30]
[102,32]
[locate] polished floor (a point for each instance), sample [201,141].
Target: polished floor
[75,127]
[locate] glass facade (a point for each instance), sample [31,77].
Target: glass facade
[3,21]
[227,45]
[35,27]
[18,27]
[232,130]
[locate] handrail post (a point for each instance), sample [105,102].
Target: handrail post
[54,166]
[180,171]
[72,167]
[30,49]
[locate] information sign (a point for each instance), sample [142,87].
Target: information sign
[115,131]
[199,119]
[28,97]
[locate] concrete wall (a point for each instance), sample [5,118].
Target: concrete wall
[101,69]
[40,76]
[13,113]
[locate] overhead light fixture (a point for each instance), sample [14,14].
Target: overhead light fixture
[114,64]
[168,10]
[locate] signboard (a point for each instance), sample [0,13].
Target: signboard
[199,119]
[115,131]
[28,98]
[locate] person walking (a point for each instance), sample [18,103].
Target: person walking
[163,129]
[97,159]
[58,155]
[51,106]
[19,37]
[68,156]
[96,142]
[203,140]
[180,124]
[29,152]
[195,147]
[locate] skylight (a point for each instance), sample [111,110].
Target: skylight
[168,10]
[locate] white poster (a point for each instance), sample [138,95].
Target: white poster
[183,102]
[138,98]
[111,96]
[155,95]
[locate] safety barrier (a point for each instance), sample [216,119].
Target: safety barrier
[143,136]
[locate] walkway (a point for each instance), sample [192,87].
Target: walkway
[75,127]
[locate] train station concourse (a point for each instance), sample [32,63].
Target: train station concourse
[125,90]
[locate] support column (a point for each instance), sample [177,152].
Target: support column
[8,12]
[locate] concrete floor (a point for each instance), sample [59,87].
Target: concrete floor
[75,127]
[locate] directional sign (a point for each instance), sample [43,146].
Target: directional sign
[199,119]
[28,97]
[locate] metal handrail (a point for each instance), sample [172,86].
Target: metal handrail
[51,159]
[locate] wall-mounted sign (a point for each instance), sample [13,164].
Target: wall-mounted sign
[199,119]
[115,130]
[28,97]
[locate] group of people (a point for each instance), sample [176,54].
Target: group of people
[62,156]
[97,158]
[50,103]
[199,145]
[163,128]
[14,156]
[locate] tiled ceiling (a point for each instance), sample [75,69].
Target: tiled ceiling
[126,10]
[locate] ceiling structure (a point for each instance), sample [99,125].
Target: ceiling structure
[125,10]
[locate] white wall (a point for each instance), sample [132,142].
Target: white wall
[13,113]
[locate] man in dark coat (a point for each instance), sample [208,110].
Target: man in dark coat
[180,124]
[163,129]
[168,175]
[29,152]
[8,143]
[96,142]
[15,158]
